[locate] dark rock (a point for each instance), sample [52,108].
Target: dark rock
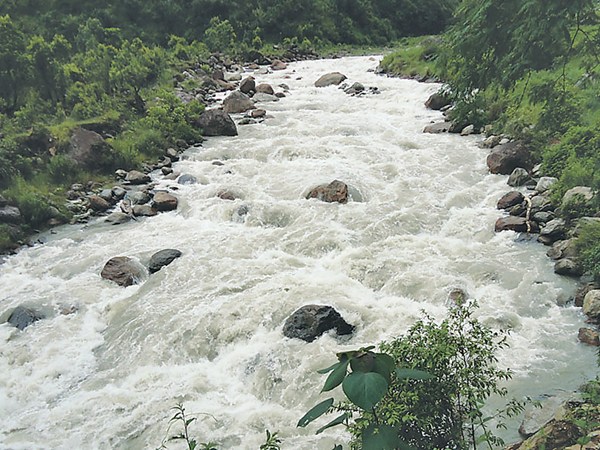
[336,191]
[265,88]
[437,101]
[218,74]
[226,195]
[107,195]
[172,154]
[505,158]
[436,128]
[518,210]
[22,317]
[518,177]
[163,201]
[3,202]
[543,216]
[97,203]
[280,95]
[187,179]
[216,122]
[118,218]
[311,321]
[10,214]
[458,296]
[87,148]
[589,336]
[568,267]
[163,258]
[510,199]
[248,85]
[122,270]
[137,177]
[278,65]
[329,79]
[166,170]
[356,88]
[139,197]
[237,102]
[144,211]
[246,121]
[511,223]
[555,230]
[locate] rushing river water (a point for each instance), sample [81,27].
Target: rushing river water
[207,330]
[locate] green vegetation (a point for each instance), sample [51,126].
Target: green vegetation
[424,391]
[416,58]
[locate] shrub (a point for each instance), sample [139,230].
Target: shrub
[62,169]
[588,246]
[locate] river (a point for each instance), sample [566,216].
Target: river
[207,330]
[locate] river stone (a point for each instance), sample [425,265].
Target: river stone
[163,201]
[107,195]
[510,199]
[535,417]
[591,304]
[186,178]
[336,191]
[545,183]
[468,130]
[278,65]
[137,177]
[22,317]
[568,267]
[491,141]
[503,159]
[237,102]
[329,79]
[246,121]
[261,97]
[518,177]
[97,203]
[163,258]
[437,101]
[555,229]
[144,211]
[584,192]
[511,223]
[356,88]
[248,85]
[563,249]
[118,218]
[589,336]
[258,113]
[311,321]
[139,197]
[216,122]
[10,214]
[227,195]
[122,270]
[166,170]
[436,128]
[543,216]
[265,88]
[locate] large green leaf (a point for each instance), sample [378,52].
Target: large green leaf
[365,389]
[380,437]
[363,362]
[315,412]
[384,365]
[413,374]
[337,421]
[336,377]
[328,369]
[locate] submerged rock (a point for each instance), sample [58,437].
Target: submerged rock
[163,258]
[22,317]
[329,79]
[122,270]
[336,191]
[311,321]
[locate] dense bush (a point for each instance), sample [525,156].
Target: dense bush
[588,245]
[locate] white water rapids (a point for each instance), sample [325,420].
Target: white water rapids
[207,329]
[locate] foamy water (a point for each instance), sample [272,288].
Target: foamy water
[207,329]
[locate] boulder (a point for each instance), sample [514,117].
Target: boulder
[260,97]
[246,121]
[545,183]
[518,177]
[22,317]
[139,197]
[536,416]
[511,223]
[505,158]
[491,141]
[186,178]
[278,65]
[555,230]
[436,128]
[510,199]
[98,204]
[258,113]
[107,195]
[3,202]
[468,130]
[248,85]
[591,305]
[584,192]
[582,292]
[437,101]
[311,321]
[356,88]
[86,148]
[563,249]
[336,191]
[589,336]
[329,79]
[144,211]
[137,177]
[237,102]
[162,258]
[122,270]
[265,88]
[10,214]
[163,201]
[568,267]
[216,122]
[118,218]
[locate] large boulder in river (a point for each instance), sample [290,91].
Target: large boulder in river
[163,201]
[22,317]
[248,85]
[237,102]
[510,199]
[336,191]
[98,204]
[163,258]
[329,79]
[216,122]
[123,270]
[437,101]
[511,223]
[311,321]
[505,158]
[265,88]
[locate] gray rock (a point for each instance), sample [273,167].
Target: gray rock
[545,183]
[563,249]
[491,141]
[162,258]
[144,211]
[258,113]
[186,178]
[536,417]
[518,177]
[237,102]
[3,202]
[591,304]
[106,194]
[555,229]
[584,192]
[437,101]
[278,65]
[138,197]
[510,199]
[436,128]
[118,218]
[336,191]
[329,79]
[356,88]
[10,214]
[163,201]
[248,85]
[98,204]
[511,223]
[137,177]
[22,317]
[216,122]
[468,130]
[568,267]
[123,270]
[311,321]
[265,88]
[246,121]
[543,216]
[86,147]
[172,154]
[260,97]
[166,170]
[505,158]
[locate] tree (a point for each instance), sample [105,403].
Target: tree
[13,65]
